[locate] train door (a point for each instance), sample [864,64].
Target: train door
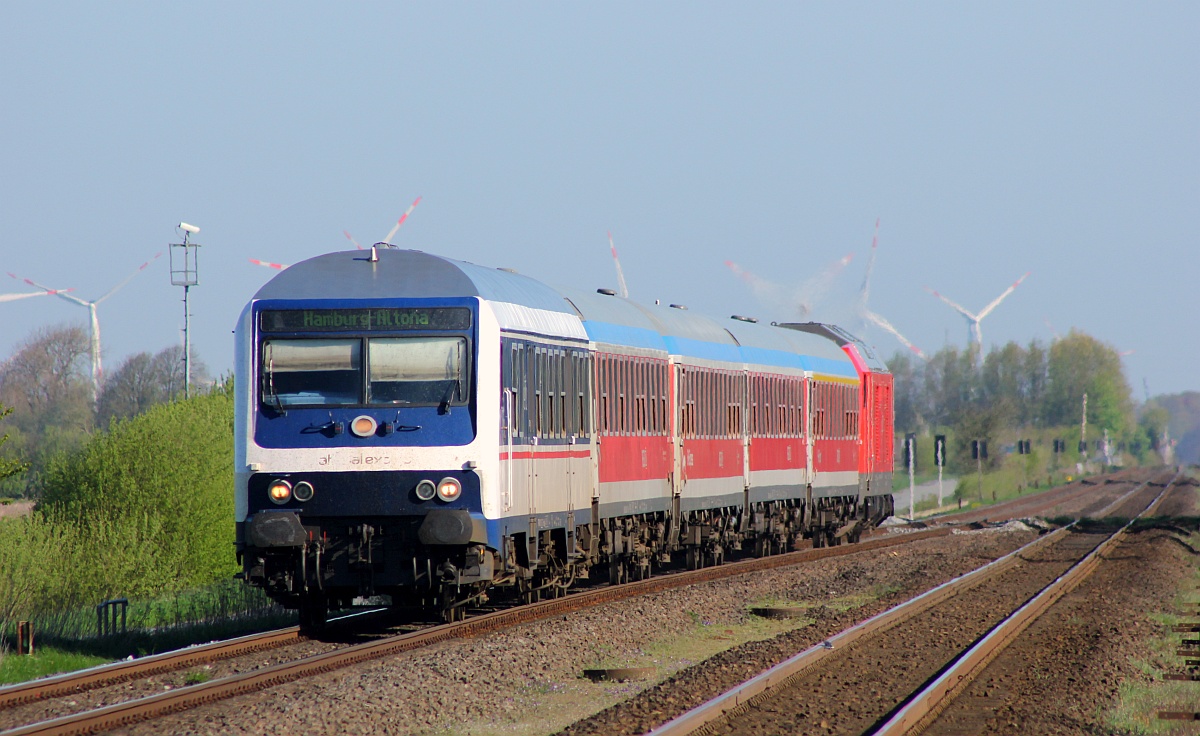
[520,475]
[508,428]
[685,418]
[810,430]
[740,421]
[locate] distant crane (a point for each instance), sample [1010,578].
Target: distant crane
[94,319]
[973,320]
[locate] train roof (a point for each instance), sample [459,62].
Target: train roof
[520,303]
[524,304]
[773,345]
[612,320]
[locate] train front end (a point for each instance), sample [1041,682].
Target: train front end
[358,460]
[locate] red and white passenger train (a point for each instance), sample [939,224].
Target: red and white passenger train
[434,431]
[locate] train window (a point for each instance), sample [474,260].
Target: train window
[312,372]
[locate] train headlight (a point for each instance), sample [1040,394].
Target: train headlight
[363,426]
[426,490]
[280,491]
[449,489]
[303,491]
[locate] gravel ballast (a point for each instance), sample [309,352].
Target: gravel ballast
[528,679]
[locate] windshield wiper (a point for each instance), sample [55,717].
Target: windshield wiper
[451,390]
[270,381]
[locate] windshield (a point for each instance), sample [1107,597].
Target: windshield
[312,372]
[416,370]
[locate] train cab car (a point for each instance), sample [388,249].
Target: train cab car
[367,455]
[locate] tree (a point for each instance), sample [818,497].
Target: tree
[143,381]
[48,385]
[906,393]
[1080,364]
[8,467]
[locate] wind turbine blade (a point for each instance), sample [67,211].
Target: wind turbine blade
[996,302]
[268,264]
[14,297]
[956,307]
[617,262]
[765,291]
[400,222]
[814,289]
[351,239]
[865,290]
[129,278]
[883,323]
[57,292]
[1053,331]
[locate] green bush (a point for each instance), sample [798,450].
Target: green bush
[149,503]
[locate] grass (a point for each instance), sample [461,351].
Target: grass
[71,641]
[1140,701]
[46,660]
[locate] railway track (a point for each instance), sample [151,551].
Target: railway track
[131,711]
[855,682]
[25,699]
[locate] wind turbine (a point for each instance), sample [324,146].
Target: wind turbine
[97,368]
[25,295]
[864,292]
[386,241]
[624,290]
[800,300]
[973,320]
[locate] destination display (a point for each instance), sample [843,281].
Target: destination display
[365,320]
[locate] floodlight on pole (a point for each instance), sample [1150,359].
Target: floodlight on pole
[184,273]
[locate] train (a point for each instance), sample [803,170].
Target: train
[430,434]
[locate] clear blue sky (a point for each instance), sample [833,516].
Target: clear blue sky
[991,138]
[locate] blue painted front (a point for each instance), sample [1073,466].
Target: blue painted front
[413,426]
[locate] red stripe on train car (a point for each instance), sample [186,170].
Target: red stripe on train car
[708,458]
[625,458]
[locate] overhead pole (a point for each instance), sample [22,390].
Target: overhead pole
[185,274]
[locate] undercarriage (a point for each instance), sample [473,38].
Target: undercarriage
[329,564]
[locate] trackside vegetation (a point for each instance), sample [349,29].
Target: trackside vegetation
[142,511]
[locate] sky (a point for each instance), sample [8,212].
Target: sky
[988,139]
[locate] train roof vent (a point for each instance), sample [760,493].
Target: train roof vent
[741,318]
[606,292]
[679,306]
[507,270]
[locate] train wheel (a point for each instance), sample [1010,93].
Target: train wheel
[314,615]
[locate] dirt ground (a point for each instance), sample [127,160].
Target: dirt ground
[17,508]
